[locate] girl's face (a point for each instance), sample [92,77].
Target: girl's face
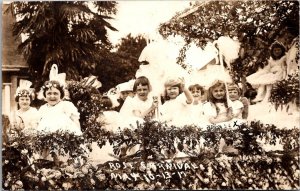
[53,96]
[142,92]
[277,51]
[233,94]
[125,94]
[196,93]
[172,92]
[218,92]
[24,103]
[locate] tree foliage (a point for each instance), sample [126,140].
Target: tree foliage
[120,66]
[256,24]
[70,34]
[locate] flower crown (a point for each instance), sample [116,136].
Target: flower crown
[23,93]
[50,85]
[24,89]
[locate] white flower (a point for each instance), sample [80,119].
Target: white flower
[6,161]
[93,181]
[67,185]
[19,183]
[24,151]
[84,170]
[15,144]
[201,167]
[205,180]
[57,174]
[101,177]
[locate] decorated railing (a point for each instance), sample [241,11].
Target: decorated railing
[155,165]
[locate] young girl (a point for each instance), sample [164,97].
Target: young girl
[140,106]
[174,110]
[237,106]
[216,109]
[195,109]
[57,114]
[270,74]
[26,117]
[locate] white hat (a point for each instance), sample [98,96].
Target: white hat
[126,86]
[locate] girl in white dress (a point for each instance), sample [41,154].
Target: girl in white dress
[216,110]
[270,74]
[140,106]
[26,117]
[57,114]
[175,111]
[237,106]
[196,108]
[136,109]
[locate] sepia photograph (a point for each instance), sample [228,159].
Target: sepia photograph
[150,95]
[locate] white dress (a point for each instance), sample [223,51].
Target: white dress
[132,110]
[58,117]
[237,106]
[270,74]
[110,121]
[28,119]
[175,112]
[209,111]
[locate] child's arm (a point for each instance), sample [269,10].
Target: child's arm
[187,93]
[220,118]
[150,112]
[213,118]
[246,104]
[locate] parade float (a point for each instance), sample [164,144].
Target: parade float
[262,153]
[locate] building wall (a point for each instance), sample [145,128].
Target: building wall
[14,66]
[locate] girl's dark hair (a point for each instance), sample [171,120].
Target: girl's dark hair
[53,83]
[142,80]
[198,87]
[166,97]
[212,99]
[23,93]
[277,45]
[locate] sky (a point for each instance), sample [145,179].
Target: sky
[143,17]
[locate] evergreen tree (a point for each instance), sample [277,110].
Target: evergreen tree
[70,34]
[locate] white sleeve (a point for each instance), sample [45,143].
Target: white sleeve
[70,109]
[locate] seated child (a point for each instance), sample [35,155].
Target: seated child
[174,110]
[126,89]
[196,110]
[57,114]
[142,105]
[26,117]
[240,105]
[217,109]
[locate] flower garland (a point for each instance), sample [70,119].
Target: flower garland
[151,167]
[286,91]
